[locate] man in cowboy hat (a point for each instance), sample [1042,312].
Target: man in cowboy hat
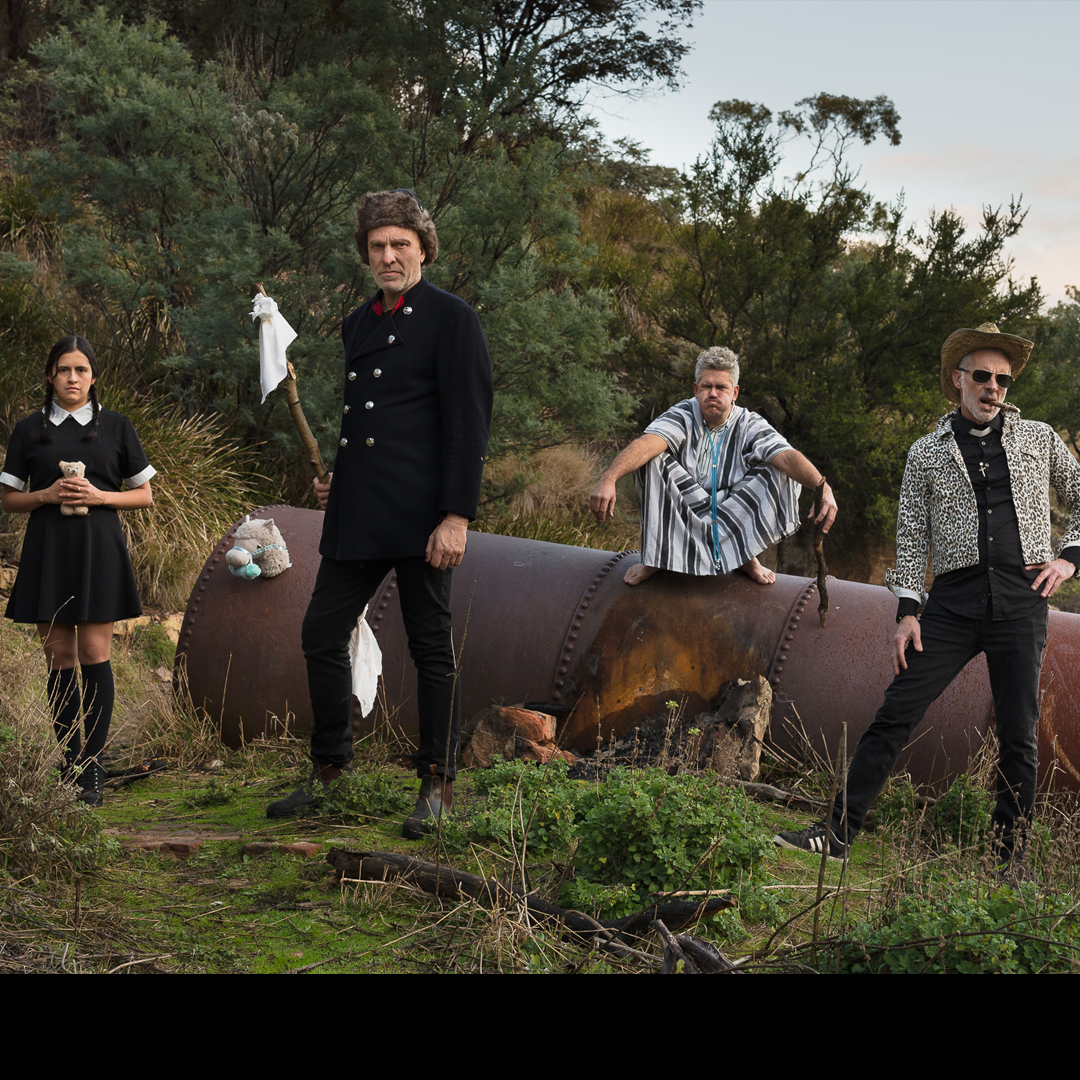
[976,497]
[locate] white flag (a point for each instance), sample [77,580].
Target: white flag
[275,336]
[366,658]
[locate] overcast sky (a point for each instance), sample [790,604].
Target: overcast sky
[987,94]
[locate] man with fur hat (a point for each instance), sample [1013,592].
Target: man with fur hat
[976,498]
[406,482]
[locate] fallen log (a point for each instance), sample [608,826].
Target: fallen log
[450,884]
[687,955]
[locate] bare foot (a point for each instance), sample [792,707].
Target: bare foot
[639,573]
[756,572]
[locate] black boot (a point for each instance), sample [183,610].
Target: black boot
[436,797]
[92,782]
[308,796]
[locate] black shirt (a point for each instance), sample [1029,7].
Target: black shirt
[998,587]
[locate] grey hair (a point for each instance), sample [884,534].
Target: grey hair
[717,358]
[988,348]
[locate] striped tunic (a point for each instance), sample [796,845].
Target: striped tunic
[757,505]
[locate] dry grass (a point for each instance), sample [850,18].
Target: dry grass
[201,489]
[554,481]
[49,841]
[550,500]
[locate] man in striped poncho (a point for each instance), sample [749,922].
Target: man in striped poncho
[717,484]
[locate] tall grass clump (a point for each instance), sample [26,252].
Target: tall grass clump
[202,488]
[545,496]
[46,835]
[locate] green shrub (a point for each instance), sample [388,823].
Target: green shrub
[633,834]
[656,833]
[896,803]
[214,794]
[522,799]
[369,793]
[965,931]
[962,814]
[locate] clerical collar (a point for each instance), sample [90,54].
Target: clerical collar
[378,308]
[84,414]
[961,425]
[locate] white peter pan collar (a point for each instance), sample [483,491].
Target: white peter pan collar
[83,415]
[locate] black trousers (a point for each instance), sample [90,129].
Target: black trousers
[1014,654]
[341,591]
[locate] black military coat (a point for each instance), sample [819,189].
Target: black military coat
[414,430]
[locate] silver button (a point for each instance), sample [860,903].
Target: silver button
[343,442]
[406,311]
[347,408]
[369,404]
[391,339]
[352,375]
[370,442]
[378,372]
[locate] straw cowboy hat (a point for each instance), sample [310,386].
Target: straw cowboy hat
[987,336]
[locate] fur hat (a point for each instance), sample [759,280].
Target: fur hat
[962,342]
[399,208]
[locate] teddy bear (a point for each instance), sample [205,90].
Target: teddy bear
[73,469]
[258,550]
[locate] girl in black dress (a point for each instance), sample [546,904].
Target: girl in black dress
[75,578]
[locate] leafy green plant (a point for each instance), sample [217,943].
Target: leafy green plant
[541,805]
[370,793]
[965,931]
[897,803]
[660,833]
[214,794]
[962,814]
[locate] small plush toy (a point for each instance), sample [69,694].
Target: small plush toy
[258,549]
[73,469]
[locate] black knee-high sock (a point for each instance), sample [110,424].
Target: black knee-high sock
[64,702]
[98,694]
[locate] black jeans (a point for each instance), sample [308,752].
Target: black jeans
[1014,653]
[341,591]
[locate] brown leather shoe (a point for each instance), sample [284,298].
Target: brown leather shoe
[436,797]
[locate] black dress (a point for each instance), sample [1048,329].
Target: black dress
[75,569]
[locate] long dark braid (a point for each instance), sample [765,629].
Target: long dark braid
[71,343]
[46,412]
[91,434]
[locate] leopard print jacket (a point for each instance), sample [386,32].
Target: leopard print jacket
[938,514]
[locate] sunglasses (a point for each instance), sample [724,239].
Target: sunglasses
[980,376]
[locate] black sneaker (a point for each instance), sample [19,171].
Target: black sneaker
[812,839]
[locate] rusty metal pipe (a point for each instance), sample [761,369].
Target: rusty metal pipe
[548,622]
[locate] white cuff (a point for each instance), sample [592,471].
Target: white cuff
[12,481]
[140,478]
